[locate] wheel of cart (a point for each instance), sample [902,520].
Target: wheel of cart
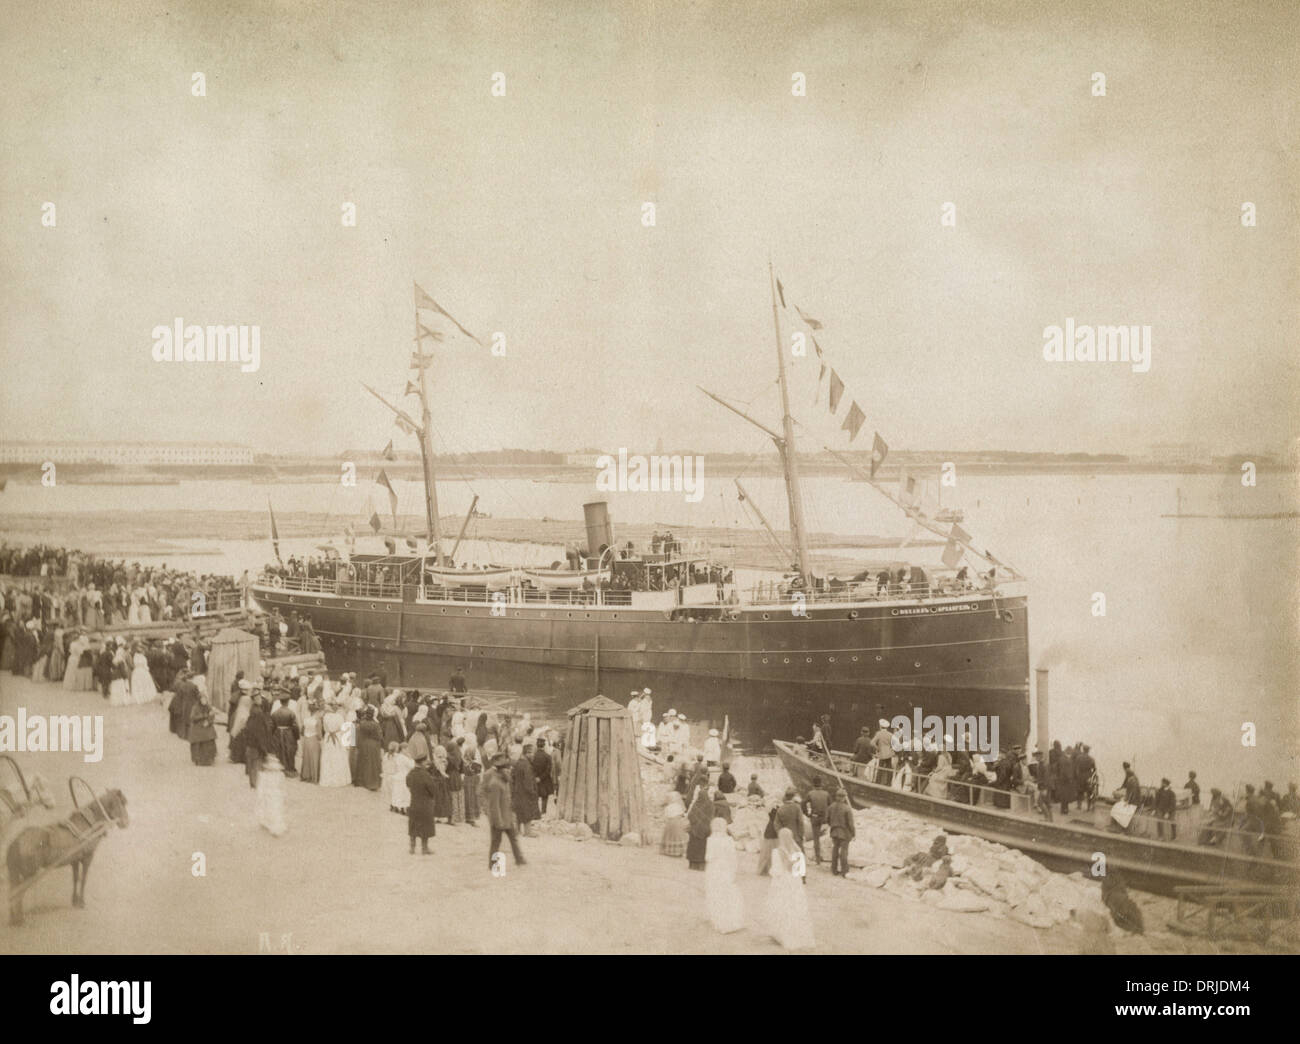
[37,850]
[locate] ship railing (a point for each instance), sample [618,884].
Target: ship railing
[1191,831]
[318,584]
[866,591]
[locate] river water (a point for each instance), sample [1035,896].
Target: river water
[1198,640]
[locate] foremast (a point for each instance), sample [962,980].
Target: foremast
[786,448]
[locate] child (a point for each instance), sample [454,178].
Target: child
[397,763]
[754,789]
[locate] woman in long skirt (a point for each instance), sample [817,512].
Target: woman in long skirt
[270,795]
[58,659]
[673,842]
[370,751]
[311,736]
[334,768]
[472,776]
[143,689]
[456,781]
[721,893]
[284,735]
[441,791]
[699,825]
[787,919]
[119,689]
[203,732]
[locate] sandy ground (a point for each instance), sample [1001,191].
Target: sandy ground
[341,880]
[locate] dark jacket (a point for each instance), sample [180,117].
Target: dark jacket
[420,814]
[840,819]
[494,796]
[817,802]
[523,790]
[790,815]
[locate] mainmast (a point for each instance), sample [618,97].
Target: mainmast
[426,445]
[785,446]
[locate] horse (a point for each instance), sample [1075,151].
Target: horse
[70,842]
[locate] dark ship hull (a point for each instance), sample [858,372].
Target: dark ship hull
[768,670]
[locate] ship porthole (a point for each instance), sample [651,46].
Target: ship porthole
[373,605]
[444,612]
[388,608]
[766,617]
[615,615]
[787,659]
[917,664]
[318,601]
[347,605]
[853,615]
[467,612]
[808,659]
[855,659]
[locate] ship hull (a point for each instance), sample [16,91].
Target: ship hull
[768,670]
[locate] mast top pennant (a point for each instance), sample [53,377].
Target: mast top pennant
[426,302]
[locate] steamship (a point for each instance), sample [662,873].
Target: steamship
[667,614]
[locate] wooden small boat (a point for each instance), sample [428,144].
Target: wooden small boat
[1070,842]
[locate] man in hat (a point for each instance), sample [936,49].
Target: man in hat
[864,750]
[726,781]
[1221,816]
[421,812]
[883,742]
[1166,804]
[840,819]
[791,815]
[457,683]
[494,798]
[816,805]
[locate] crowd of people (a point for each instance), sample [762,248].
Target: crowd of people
[432,758]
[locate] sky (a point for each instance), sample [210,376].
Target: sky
[523,214]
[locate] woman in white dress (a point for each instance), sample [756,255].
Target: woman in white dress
[721,893]
[334,768]
[144,610]
[787,902]
[143,689]
[270,795]
[119,688]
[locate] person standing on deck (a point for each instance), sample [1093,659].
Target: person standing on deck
[1166,803]
[883,742]
[1132,788]
[1086,776]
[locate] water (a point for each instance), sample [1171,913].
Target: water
[1197,640]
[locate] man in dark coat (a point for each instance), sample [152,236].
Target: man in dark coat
[420,814]
[523,789]
[790,815]
[726,781]
[1166,803]
[257,738]
[542,772]
[864,750]
[103,671]
[1084,768]
[494,798]
[185,696]
[840,819]
[816,806]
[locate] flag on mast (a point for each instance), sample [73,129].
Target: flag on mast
[382,480]
[275,536]
[879,451]
[808,319]
[853,422]
[953,550]
[388,451]
[837,389]
[411,389]
[423,300]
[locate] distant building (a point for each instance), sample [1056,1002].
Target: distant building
[581,460]
[125,454]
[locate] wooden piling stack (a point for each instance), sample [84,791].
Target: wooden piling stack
[600,777]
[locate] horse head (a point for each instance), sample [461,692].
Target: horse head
[114,802]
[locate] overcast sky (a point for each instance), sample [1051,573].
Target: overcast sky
[522,214]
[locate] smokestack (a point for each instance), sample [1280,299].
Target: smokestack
[1043,735]
[600,530]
